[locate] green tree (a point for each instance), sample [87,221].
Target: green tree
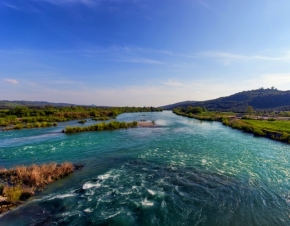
[20,112]
[250,110]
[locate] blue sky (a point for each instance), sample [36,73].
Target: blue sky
[141,52]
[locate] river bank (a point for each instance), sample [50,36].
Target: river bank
[275,129]
[21,182]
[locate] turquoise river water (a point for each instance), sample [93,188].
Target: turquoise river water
[180,172]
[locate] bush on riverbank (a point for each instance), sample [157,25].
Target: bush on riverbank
[31,125]
[101,126]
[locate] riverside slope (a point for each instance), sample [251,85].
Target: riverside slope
[260,99]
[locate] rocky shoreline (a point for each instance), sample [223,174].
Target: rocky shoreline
[7,206]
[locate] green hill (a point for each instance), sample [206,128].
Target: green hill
[7,104]
[260,99]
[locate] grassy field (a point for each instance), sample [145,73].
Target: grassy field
[278,126]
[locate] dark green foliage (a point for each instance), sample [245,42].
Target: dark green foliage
[250,110]
[20,112]
[194,110]
[82,121]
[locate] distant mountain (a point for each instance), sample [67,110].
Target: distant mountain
[171,106]
[16,103]
[260,99]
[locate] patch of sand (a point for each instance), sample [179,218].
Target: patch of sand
[145,124]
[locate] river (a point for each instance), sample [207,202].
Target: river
[180,172]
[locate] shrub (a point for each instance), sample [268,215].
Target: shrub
[285,136]
[101,126]
[258,132]
[13,193]
[18,126]
[225,120]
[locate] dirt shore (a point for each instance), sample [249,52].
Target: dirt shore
[145,124]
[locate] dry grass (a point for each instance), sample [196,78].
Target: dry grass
[39,176]
[22,181]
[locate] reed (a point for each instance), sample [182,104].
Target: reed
[23,181]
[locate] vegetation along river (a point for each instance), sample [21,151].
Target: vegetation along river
[180,172]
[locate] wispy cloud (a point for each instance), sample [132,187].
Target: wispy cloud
[170,82]
[89,3]
[140,61]
[9,5]
[228,57]
[128,54]
[64,2]
[9,80]
[203,3]
[231,56]
[130,50]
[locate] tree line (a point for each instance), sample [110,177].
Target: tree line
[21,116]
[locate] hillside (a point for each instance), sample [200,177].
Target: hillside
[183,103]
[6,104]
[260,99]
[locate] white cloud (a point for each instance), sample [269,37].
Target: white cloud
[140,61]
[13,81]
[228,57]
[203,3]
